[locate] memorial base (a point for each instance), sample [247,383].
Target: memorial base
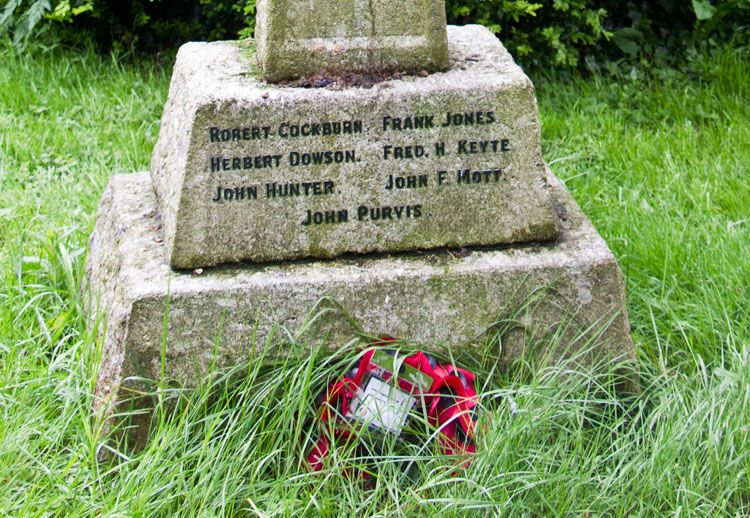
[568,293]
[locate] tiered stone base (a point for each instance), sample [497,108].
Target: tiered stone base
[571,289]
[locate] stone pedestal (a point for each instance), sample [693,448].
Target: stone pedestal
[205,259]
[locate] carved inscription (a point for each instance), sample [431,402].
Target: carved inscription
[397,163]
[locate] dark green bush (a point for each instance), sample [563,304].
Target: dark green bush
[572,33]
[536,33]
[147,25]
[556,34]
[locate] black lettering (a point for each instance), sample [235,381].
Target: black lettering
[215,164]
[218,194]
[362,212]
[213,134]
[306,221]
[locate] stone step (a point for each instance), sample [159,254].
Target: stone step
[554,298]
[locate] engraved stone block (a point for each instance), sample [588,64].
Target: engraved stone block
[299,38]
[247,171]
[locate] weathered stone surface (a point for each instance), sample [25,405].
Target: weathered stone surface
[433,299]
[231,146]
[299,38]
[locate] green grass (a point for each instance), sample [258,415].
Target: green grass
[660,166]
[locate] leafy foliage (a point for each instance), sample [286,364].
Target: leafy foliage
[558,34]
[534,32]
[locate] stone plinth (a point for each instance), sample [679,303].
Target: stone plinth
[430,299]
[304,37]
[247,171]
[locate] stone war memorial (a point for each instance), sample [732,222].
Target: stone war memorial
[360,157]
